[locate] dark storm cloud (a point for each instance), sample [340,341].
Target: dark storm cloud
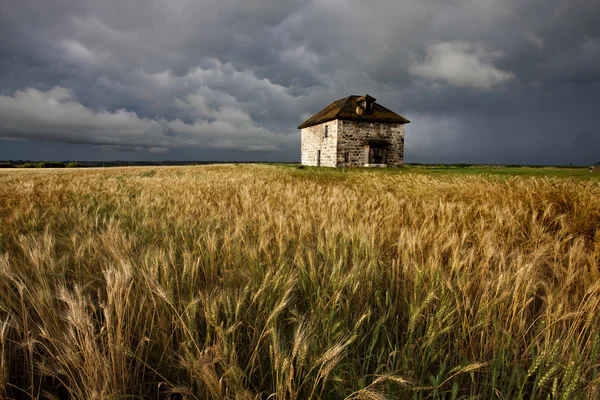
[481,80]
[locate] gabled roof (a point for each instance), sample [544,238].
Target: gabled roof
[346,109]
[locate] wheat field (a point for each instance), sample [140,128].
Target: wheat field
[266,282]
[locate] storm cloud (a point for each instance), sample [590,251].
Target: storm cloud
[496,81]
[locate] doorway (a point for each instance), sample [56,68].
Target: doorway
[377,155]
[318,158]
[376,151]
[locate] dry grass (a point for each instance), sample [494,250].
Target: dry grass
[258,282]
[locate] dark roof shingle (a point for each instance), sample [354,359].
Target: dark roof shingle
[346,109]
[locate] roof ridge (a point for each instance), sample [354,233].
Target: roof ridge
[340,107]
[387,109]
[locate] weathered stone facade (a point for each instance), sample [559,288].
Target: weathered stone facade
[318,149]
[347,143]
[353,132]
[354,138]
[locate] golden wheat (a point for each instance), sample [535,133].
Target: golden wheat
[258,282]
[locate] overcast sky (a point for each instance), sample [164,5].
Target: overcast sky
[482,81]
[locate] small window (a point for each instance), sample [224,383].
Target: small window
[325,133]
[346,156]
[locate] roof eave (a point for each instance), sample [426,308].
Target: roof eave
[391,121]
[308,125]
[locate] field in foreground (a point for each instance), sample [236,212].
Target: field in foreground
[256,282]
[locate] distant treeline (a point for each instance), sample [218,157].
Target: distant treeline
[464,165]
[43,164]
[83,164]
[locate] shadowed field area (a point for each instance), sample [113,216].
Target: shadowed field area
[257,281]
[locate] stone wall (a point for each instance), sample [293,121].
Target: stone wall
[352,137]
[313,140]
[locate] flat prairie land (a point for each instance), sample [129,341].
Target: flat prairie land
[272,282]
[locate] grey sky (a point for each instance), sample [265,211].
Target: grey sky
[498,81]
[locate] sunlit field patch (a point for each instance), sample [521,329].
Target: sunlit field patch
[256,282]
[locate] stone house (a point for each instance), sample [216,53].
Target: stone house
[353,132]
